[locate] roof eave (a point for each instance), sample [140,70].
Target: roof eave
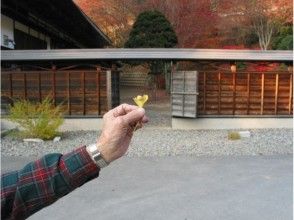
[147,54]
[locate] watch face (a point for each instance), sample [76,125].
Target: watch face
[93,147]
[97,157]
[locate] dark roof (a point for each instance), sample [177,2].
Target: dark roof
[63,15]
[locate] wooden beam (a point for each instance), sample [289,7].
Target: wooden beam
[184,90]
[68,94]
[219,92]
[98,90]
[54,87]
[276,93]
[39,87]
[204,92]
[84,93]
[262,94]
[248,93]
[234,92]
[10,85]
[108,89]
[25,85]
[290,93]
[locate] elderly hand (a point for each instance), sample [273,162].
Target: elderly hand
[117,131]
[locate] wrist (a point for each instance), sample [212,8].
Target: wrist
[104,147]
[104,153]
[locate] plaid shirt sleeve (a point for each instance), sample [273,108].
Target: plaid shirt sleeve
[42,182]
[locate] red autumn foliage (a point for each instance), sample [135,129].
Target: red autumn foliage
[194,21]
[198,24]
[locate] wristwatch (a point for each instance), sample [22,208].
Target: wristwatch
[96,156]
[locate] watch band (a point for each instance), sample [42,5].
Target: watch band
[96,156]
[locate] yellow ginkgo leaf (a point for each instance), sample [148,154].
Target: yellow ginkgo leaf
[140,100]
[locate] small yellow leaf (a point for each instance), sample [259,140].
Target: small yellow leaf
[140,100]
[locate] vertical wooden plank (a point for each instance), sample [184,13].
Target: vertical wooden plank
[173,72]
[39,87]
[204,93]
[184,90]
[54,87]
[219,93]
[248,92]
[290,93]
[262,94]
[197,92]
[68,94]
[108,89]
[234,92]
[84,93]
[25,85]
[98,90]
[10,85]
[276,93]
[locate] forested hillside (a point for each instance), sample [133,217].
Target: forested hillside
[237,24]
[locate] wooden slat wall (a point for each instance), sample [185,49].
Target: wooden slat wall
[80,92]
[245,93]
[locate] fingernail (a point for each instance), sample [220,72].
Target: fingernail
[141,110]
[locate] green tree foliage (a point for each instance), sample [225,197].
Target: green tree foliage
[38,120]
[152,30]
[284,39]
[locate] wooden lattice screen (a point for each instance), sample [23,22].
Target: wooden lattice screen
[225,93]
[81,92]
[245,93]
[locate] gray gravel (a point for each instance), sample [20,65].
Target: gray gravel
[167,142]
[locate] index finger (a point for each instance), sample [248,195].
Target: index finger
[123,109]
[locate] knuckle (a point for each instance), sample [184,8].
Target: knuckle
[119,121]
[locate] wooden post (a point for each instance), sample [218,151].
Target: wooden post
[84,93]
[276,93]
[25,85]
[54,85]
[108,89]
[204,92]
[98,89]
[184,90]
[234,92]
[262,94]
[290,93]
[248,92]
[68,94]
[39,87]
[197,92]
[10,85]
[219,92]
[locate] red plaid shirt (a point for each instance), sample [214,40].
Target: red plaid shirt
[42,182]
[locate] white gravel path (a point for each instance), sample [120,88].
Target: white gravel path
[167,142]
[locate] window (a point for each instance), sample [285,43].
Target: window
[5,40]
[24,41]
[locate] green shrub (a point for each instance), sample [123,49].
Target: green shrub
[38,120]
[286,43]
[284,39]
[234,135]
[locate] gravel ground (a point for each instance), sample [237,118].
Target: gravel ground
[167,142]
[159,115]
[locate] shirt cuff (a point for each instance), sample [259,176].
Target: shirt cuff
[80,168]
